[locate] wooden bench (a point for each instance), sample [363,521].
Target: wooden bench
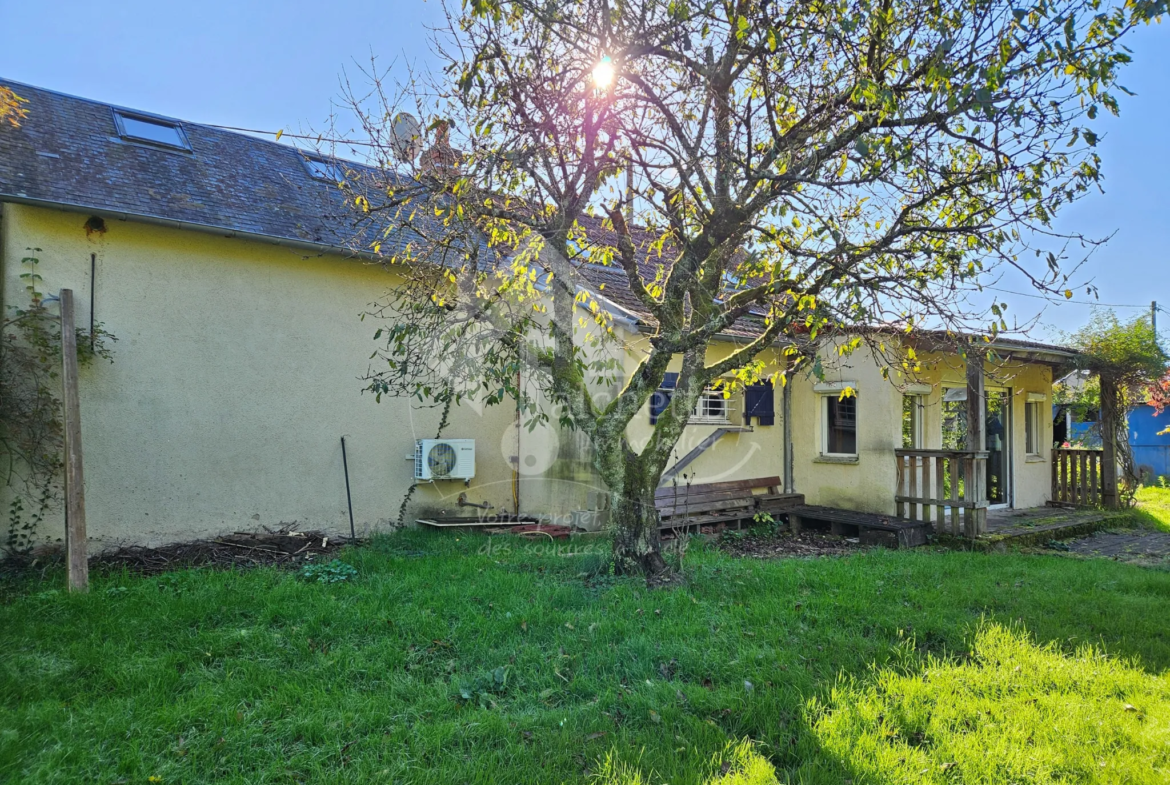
[706,504]
[870,528]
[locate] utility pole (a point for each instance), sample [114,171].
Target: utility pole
[1154,318]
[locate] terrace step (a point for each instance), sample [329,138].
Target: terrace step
[870,528]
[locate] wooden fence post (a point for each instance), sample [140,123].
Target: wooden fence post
[76,541]
[1109,494]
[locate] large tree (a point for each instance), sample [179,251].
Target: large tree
[794,166]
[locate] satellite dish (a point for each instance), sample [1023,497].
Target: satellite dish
[405,136]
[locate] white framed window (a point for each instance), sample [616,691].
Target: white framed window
[1034,424]
[151,130]
[839,425]
[912,410]
[711,407]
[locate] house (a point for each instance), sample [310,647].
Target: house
[224,266]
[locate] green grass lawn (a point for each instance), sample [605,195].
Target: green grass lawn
[440,663]
[1154,508]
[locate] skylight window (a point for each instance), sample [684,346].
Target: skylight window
[151,130]
[323,169]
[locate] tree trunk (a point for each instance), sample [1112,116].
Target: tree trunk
[637,548]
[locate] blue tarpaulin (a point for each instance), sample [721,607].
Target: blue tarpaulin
[1149,449]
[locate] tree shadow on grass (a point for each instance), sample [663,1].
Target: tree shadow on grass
[1010,711]
[917,667]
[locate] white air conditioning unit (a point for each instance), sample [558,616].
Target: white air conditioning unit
[444,459]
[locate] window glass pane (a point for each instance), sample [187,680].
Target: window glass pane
[842,425]
[1031,428]
[151,131]
[710,406]
[954,424]
[911,426]
[324,170]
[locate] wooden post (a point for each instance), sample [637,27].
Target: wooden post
[1055,484]
[1094,487]
[789,456]
[914,488]
[940,509]
[1109,495]
[979,513]
[976,431]
[76,541]
[955,509]
[900,483]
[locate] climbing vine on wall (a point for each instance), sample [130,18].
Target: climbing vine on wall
[31,427]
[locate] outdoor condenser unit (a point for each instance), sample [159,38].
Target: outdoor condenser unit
[444,459]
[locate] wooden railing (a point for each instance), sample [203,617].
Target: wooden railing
[931,482]
[1076,477]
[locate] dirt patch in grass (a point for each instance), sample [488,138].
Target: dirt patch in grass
[807,544]
[240,549]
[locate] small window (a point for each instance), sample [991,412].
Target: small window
[839,420]
[1032,422]
[711,408]
[954,418]
[323,169]
[152,130]
[912,422]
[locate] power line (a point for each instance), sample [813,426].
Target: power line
[1058,301]
[281,134]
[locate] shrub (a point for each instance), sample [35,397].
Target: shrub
[335,571]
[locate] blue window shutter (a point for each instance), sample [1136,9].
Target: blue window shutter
[661,397]
[759,402]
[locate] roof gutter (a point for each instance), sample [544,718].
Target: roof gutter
[1065,354]
[174,223]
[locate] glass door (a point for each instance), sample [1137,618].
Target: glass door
[996,427]
[998,430]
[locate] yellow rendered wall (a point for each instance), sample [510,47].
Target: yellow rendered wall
[736,456]
[866,484]
[236,371]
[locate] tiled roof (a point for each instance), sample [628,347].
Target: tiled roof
[68,152]
[654,262]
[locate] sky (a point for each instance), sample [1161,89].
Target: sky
[272,66]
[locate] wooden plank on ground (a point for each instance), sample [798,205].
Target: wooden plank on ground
[712,506]
[710,487]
